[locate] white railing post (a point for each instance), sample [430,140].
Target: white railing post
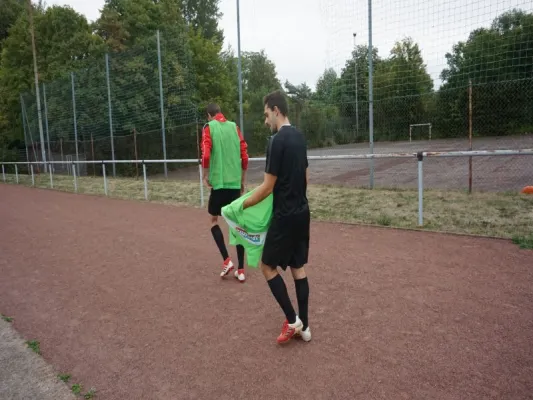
[420,157]
[75,179]
[145,182]
[201,185]
[51,176]
[105,178]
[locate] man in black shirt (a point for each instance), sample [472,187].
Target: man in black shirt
[287,240]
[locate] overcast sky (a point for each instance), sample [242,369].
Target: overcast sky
[303,37]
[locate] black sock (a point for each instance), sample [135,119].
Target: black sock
[240,256]
[302,293]
[219,240]
[279,290]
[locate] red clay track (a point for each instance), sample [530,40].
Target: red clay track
[126,297]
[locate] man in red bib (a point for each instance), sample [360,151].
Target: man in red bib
[224,162]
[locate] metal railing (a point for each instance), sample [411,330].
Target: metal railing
[419,156]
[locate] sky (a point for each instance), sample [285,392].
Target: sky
[304,37]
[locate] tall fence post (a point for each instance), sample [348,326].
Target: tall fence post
[145,182]
[105,178]
[32,175]
[24,130]
[3,173]
[110,113]
[17,173]
[420,157]
[74,114]
[470,135]
[163,140]
[46,125]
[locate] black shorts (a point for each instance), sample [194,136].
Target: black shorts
[287,242]
[220,198]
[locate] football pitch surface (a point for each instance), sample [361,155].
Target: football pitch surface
[126,297]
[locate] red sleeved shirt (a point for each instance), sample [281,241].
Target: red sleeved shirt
[207,144]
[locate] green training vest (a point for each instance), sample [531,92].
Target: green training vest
[225,168]
[249,227]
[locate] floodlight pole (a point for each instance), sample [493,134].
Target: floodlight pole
[356,89]
[239,69]
[37,94]
[370,94]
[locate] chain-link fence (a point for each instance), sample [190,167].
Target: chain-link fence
[472,89]
[133,105]
[429,189]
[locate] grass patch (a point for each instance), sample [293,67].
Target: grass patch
[494,214]
[76,389]
[525,242]
[90,394]
[6,318]
[34,345]
[505,215]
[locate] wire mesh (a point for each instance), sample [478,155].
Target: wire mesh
[425,56]
[112,110]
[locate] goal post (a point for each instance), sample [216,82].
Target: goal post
[428,124]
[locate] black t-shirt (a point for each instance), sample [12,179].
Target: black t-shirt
[286,158]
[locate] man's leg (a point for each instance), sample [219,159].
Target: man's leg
[219,240]
[219,237]
[299,258]
[239,274]
[293,324]
[301,285]
[233,195]
[276,250]
[214,207]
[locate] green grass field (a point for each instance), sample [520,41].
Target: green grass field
[506,215]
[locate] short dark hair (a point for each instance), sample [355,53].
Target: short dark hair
[213,109]
[277,99]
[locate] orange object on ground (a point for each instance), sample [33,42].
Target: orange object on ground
[528,190]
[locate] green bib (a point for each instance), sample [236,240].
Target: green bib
[225,168]
[249,227]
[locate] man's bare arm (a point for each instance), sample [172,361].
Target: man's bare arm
[261,192]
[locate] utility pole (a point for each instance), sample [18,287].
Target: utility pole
[239,69]
[370,94]
[356,89]
[37,94]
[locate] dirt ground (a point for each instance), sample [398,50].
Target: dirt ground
[126,297]
[497,173]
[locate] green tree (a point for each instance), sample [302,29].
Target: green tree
[344,95]
[402,90]
[299,96]
[64,41]
[9,13]
[203,16]
[325,87]
[498,62]
[259,77]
